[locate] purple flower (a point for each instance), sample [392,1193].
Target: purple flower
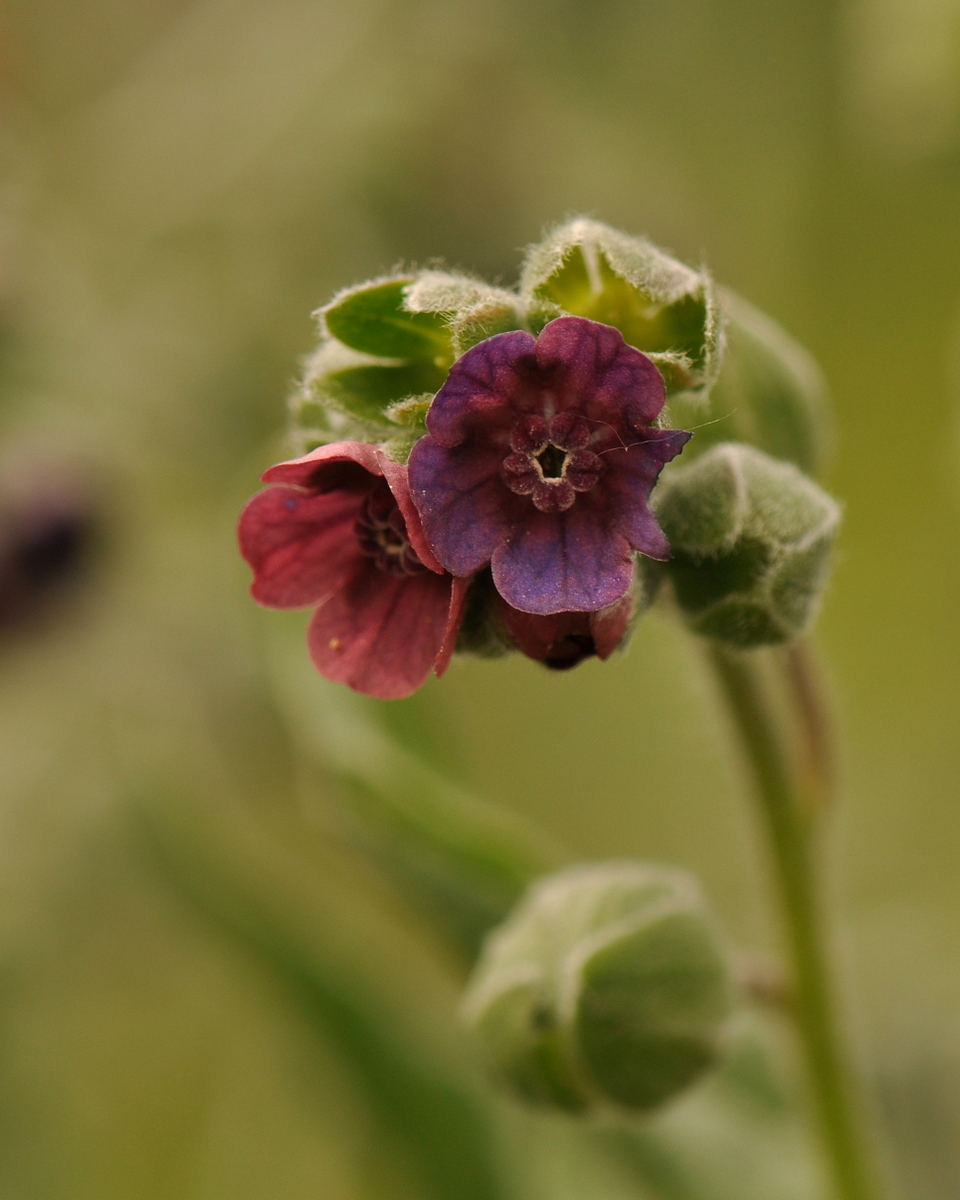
[338,531]
[540,459]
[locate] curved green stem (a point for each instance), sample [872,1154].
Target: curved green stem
[789,833]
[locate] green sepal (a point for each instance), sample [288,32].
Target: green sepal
[473,310]
[770,393]
[652,998]
[370,391]
[661,306]
[750,538]
[481,633]
[608,985]
[374,319]
[411,415]
[346,394]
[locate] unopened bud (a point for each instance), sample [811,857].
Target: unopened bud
[662,307]
[607,985]
[750,539]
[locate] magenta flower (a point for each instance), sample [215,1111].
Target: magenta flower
[540,459]
[338,530]
[562,640]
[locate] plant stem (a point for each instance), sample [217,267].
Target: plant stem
[790,836]
[818,755]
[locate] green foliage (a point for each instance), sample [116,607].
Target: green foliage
[662,307]
[386,348]
[460,863]
[750,538]
[373,319]
[769,393]
[473,310]
[608,985]
[442,1125]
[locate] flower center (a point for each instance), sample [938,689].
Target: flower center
[382,534]
[550,462]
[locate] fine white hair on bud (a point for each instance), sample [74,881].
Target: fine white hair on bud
[750,538]
[607,986]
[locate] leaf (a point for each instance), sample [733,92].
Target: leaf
[373,319]
[368,391]
[442,1123]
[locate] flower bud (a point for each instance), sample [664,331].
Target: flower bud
[386,347]
[607,985]
[770,393]
[750,539]
[662,307]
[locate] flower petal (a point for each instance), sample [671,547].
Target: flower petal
[559,640]
[563,562]
[563,640]
[609,626]
[329,467]
[630,478]
[302,547]
[381,633]
[465,507]
[602,375]
[458,604]
[481,386]
[397,478]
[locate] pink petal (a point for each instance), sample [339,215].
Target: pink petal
[609,625]
[329,467]
[396,477]
[539,637]
[562,640]
[381,633]
[458,603]
[564,562]
[302,547]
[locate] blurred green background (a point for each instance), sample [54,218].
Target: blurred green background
[184,182]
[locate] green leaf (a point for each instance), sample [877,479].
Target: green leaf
[444,1126]
[368,391]
[373,319]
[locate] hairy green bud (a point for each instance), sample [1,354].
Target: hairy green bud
[607,986]
[662,307]
[386,347]
[770,393]
[750,539]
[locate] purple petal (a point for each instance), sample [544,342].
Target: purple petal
[382,633]
[607,378]
[563,562]
[302,547]
[481,387]
[629,480]
[464,505]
